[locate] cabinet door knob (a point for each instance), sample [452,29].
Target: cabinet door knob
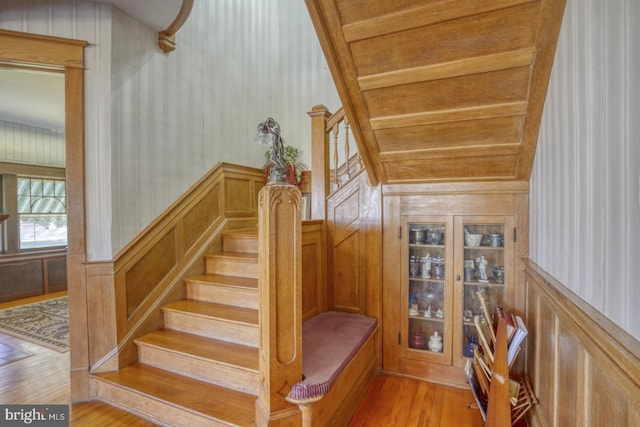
[457,277]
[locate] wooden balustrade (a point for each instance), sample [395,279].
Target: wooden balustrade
[330,140]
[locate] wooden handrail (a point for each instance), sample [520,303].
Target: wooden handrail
[329,130]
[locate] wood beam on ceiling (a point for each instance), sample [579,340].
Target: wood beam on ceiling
[458,152]
[518,108]
[462,67]
[423,16]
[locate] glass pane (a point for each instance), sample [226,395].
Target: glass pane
[426,286]
[43,219]
[483,272]
[38,231]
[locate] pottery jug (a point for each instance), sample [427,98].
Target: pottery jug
[418,339]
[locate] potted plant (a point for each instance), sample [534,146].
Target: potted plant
[294,167]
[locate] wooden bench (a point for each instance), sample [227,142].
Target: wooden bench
[339,362]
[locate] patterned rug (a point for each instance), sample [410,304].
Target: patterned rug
[44,323]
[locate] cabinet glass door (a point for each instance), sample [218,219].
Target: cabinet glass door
[426,295]
[486,269]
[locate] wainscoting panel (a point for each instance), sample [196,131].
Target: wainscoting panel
[29,275]
[145,275]
[149,272]
[584,368]
[345,257]
[314,293]
[570,357]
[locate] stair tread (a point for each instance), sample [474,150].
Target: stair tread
[202,347]
[214,401]
[219,311]
[247,256]
[244,232]
[219,279]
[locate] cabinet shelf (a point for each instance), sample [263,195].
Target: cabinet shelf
[425,279]
[425,245]
[492,282]
[428,319]
[426,350]
[483,247]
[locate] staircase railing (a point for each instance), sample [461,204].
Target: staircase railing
[332,164]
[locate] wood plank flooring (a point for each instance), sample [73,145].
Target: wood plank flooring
[399,401]
[43,378]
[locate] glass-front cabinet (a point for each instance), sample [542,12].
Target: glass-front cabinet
[446,262]
[428,294]
[485,251]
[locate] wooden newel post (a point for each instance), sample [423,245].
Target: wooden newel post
[319,160]
[280,287]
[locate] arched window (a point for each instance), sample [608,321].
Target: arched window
[42,212]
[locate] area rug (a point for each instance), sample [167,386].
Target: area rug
[44,323]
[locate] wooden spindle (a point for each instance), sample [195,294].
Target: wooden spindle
[336,131]
[346,148]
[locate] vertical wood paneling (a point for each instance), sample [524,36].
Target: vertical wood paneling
[585,367]
[585,196]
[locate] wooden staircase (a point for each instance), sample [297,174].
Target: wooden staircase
[201,369]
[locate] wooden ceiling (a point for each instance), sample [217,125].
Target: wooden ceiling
[441,90]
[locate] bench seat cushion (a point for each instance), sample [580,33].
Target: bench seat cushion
[329,342]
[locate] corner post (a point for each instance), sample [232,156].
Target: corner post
[319,160]
[280,286]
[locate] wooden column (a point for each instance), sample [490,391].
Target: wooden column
[319,160]
[280,294]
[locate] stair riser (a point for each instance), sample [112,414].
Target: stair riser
[148,407]
[246,244]
[239,297]
[204,370]
[232,266]
[212,328]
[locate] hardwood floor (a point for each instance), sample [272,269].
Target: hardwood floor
[400,401]
[42,377]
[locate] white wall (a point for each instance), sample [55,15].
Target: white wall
[157,122]
[585,186]
[175,116]
[31,145]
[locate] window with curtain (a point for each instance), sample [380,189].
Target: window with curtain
[42,212]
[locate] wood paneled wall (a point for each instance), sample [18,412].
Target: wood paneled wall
[125,295]
[24,276]
[585,370]
[354,254]
[314,265]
